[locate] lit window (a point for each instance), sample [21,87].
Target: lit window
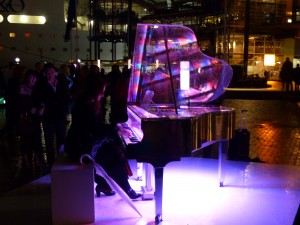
[1,18]
[269,60]
[12,35]
[27,35]
[298,16]
[25,19]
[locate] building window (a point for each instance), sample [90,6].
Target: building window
[27,35]
[298,16]
[52,49]
[12,35]
[65,49]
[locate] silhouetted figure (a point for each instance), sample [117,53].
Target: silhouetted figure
[12,111]
[118,90]
[29,122]
[286,75]
[79,82]
[54,96]
[296,77]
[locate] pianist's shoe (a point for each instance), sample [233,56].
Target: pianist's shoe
[133,195]
[107,192]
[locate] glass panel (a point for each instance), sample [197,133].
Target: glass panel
[155,77]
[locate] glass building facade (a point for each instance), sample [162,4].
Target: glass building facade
[227,29]
[256,33]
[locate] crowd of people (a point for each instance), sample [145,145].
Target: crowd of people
[289,76]
[38,104]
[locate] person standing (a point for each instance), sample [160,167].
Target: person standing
[63,76]
[296,77]
[12,113]
[79,81]
[286,75]
[29,122]
[54,97]
[41,80]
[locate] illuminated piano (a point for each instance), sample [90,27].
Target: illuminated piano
[172,88]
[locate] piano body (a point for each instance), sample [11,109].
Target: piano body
[170,119]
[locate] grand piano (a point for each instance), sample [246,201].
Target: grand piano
[173,101]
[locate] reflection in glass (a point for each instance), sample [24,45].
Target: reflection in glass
[158,52]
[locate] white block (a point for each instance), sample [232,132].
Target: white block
[72,193]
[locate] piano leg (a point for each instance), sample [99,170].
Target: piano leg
[159,172]
[139,171]
[148,192]
[222,161]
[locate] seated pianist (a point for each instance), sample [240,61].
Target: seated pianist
[89,134]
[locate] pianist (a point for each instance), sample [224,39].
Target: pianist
[88,130]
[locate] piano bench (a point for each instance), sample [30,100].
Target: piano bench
[72,192]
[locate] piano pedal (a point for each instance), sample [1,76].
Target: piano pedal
[147,194]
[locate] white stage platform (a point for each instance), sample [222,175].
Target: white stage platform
[253,194]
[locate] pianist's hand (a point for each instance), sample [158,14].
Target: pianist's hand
[124,132]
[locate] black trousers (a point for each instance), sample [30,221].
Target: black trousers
[111,158]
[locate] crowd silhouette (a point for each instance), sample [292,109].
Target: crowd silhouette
[45,106]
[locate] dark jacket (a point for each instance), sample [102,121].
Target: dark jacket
[55,101]
[86,130]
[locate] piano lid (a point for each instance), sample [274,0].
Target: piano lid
[166,56]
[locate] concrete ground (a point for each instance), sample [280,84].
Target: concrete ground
[254,193]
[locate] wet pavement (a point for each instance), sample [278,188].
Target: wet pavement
[12,174]
[274,127]
[273,122]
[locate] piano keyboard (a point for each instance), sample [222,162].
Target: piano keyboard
[133,138]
